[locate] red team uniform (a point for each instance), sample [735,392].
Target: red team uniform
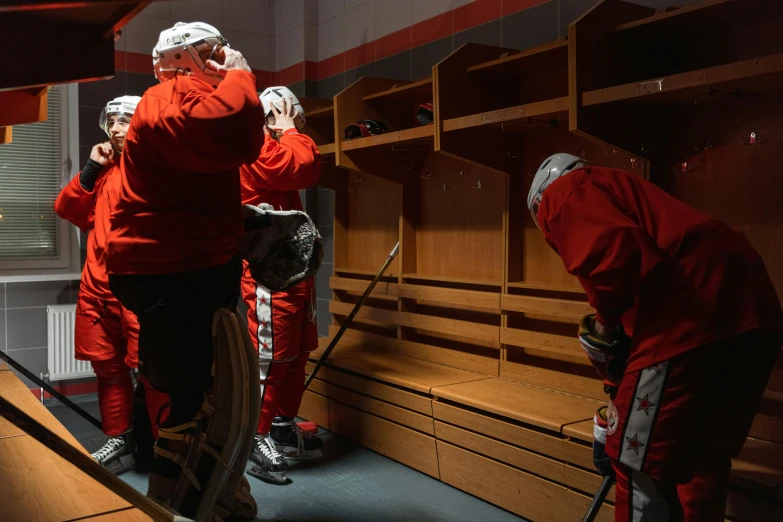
[282,324]
[706,329]
[107,334]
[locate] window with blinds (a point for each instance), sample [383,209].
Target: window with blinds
[30,180]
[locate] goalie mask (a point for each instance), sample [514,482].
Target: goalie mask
[184,50]
[552,168]
[274,96]
[122,107]
[282,248]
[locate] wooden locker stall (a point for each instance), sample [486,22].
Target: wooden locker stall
[466,350]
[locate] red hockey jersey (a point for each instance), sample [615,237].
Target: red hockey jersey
[281,171]
[179,206]
[89,211]
[687,279]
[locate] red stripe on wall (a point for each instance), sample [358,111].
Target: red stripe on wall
[476,13]
[359,56]
[514,6]
[70,389]
[432,29]
[393,43]
[331,66]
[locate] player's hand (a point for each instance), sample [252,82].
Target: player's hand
[284,119]
[102,153]
[227,59]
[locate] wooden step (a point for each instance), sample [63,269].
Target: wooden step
[536,406]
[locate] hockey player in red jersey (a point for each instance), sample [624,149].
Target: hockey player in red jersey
[172,259]
[282,324]
[106,332]
[705,323]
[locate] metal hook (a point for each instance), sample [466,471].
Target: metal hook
[477,185]
[648,148]
[352,188]
[513,156]
[683,167]
[583,154]
[460,171]
[634,163]
[443,188]
[754,139]
[359,178]
[428,174]
[406,167]
[611,152]
[707,145]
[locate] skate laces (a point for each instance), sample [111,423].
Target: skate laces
[267,448]
[112,445]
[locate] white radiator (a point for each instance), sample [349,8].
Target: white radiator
[62,365]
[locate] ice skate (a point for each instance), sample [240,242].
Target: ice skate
[266,463]
[293,442]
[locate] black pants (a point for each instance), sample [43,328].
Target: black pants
[175,328]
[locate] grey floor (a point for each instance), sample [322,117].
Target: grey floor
[350,483]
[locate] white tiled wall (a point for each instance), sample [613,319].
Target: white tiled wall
[247,24]
[359,23]
[331,35]
[391,16]
[328,9]
[288,15]
[289,48]
[424,9]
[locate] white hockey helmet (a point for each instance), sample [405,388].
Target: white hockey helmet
[122,106]
[275,96]
[184,50]
[552,168]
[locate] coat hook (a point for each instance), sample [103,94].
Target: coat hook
[583,154]
[683,167]
[443,188]
[611,152]
[648,148]
[352,188]
[359,178]
[426,175]
[406,167]
[633,164]
[513,156]
[754,139]
[460,171]
[477,185]
[707,145]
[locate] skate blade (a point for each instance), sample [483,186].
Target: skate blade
[291,453]
[120,465]
[270,477]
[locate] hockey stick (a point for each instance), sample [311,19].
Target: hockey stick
[85,463]
[54,393]
[353,313]
[598,500]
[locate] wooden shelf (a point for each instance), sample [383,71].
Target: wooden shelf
[458,280]
[548,288]
[392,137]
[754,75]
[562,308]
[682,17]
[421,88]
[321,112]
[556,109]
[329,148]
[354,271]
[538,59]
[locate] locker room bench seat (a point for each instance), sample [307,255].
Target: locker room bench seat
[39,485]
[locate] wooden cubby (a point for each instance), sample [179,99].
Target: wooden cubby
[466,349]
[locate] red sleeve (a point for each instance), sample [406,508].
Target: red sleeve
[75,204]
[212,132]
[292,164]
[603,246]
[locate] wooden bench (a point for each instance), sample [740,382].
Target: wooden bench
[38,484]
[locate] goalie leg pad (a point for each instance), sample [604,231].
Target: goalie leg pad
[209,448]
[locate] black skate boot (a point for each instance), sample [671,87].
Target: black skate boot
[265,461]
[117,454]
[293,442]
